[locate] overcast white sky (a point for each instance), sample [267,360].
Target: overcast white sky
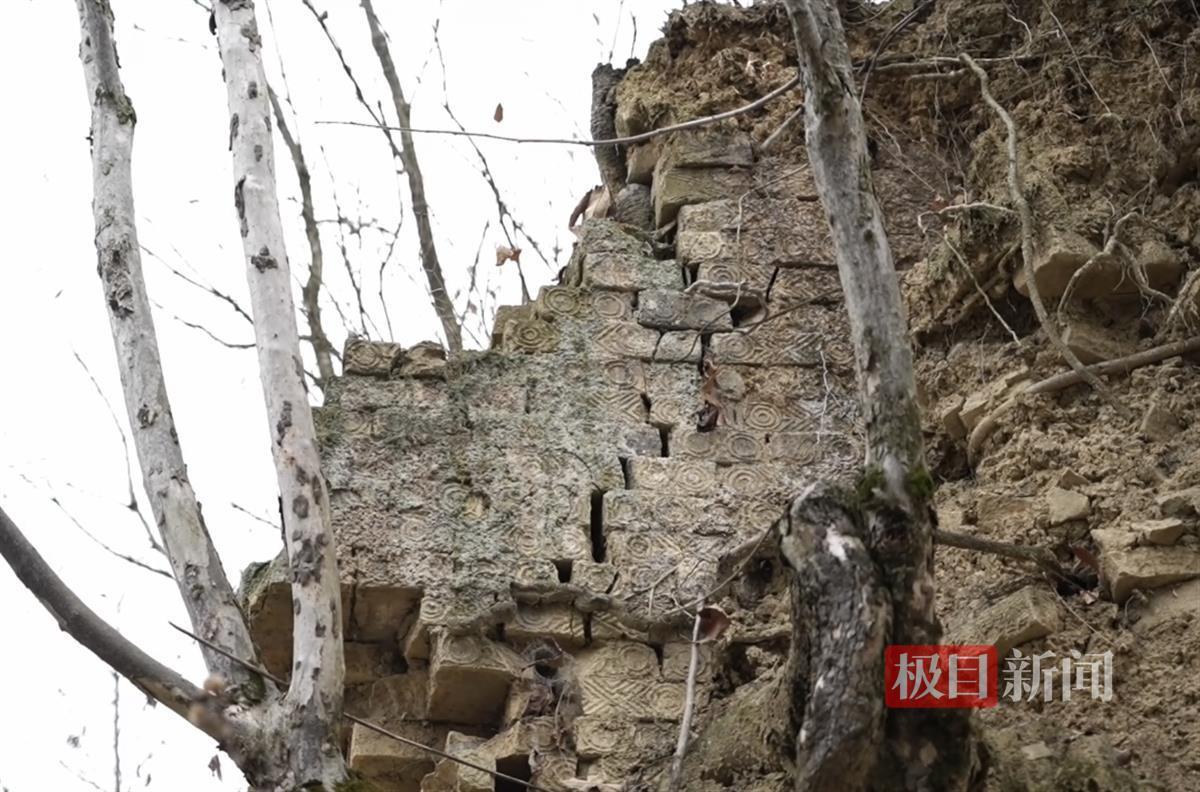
[56,437]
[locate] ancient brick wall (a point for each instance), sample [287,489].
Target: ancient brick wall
[518,530]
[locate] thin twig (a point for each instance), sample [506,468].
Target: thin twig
[1017,194]
[694,123]
[1040,556]
[689,704]
[265,674]
[132,503]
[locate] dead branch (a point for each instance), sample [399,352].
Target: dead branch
[1123,365]
[416,186]
[148,675]
[689,705]
[311,293]
[1040,556]
[132,502]
[1016,191]
[193,558]
[220,295]
[1107,252]
[626,141]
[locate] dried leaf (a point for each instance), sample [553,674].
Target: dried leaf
[504,253]
[708,417]
[499,114]
[214,765]
[713,623]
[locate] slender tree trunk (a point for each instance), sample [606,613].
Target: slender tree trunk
[214,613]
[882,539]
[309,718]
[416,187]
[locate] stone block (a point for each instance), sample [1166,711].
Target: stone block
[399,698]
[813,336]
[1158,422]
[565,302]
[450,776]
[676,658]
[625,273]
[390,763]
[640,160]
[426,360]
[822,455]
[379,611]
[529,335]
[673,391]
[1092,343]
[707,148]
[1064,505]
[504,315]
[769,482]
[1012,621]
[1126,567]
[469,678]
[622,339]
[674,310]
[1179,503]
[679,346]
[1159,532]
[673,476]
[621,680]
[559,622]
[1062,252]
[741,284]
[675,187]
[722,445]
[763,232]
[367,662]
[370,358]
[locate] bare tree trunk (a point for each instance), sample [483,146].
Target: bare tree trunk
[873,556]
[416,186]
[313,704]
[194,561]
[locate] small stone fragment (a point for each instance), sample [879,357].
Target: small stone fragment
[1159,423]
[1018,618]
[1160,532]
[1125,567]
[1065,505]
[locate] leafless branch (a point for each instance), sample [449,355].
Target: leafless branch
[642,138]
[1040,556]
[689,706]
[311,293]
[81,623]
[416,186]
[220,295]
[132,502]
[1122,365]
[1016,191]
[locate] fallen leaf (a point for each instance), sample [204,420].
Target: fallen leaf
[214,765]
[713,623]
[504,254]
[499,114]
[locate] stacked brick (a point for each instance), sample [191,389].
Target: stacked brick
[519,528]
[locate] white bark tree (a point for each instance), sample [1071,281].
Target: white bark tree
[864,565]
[281,739]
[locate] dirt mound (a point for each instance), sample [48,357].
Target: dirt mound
[1106,100]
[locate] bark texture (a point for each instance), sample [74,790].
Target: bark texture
[206,591]
[308,719]
[921,749]
[416,187]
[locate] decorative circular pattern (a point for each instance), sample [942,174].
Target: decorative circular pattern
[601,741]
[634,659]
[699,245]
[667,700]
[761,417]
[744,481]
[743,446]
[696,444]
[690,478]
[561,301]
[531,336]
[735,348]
[609,305]
[462,650]
[621,373]
[434,610]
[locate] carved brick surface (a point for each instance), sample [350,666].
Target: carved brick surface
[469,678]
[724,445]
[812,336]
[674,393]
[564,302]
[676,187]
[370,358]
[674,310]
[673,476]
[628,273]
